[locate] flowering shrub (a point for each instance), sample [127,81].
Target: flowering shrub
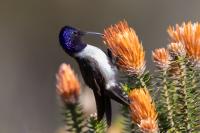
[165,101]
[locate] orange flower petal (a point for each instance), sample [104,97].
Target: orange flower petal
[68,86]
[188,34]
[161,57]
[125,46]
[143,110]
[176,49]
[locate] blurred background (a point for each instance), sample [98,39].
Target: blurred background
[30,53]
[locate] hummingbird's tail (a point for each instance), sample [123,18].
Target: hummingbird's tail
[103,105]
[100,105]
[108,110]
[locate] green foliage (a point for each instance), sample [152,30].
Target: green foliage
[178,98]
[164,101]
[193,93]
[144,80]
[74,118]
[141,81]
[95,126]
[186,114]
[182,103]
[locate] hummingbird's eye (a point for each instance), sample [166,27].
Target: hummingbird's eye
[75,33]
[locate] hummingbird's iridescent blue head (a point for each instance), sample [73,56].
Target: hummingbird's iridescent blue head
[70,40]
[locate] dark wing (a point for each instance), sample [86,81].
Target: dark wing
[95,81]
[116,93]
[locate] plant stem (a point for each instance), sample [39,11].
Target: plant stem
[143,84]
[168,104]
[76,114]
[185,97]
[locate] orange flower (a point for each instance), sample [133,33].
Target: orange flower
[143,110]
[126,48]
[68,86]
[176,49]
[195,54]
[161,57]
[189,35]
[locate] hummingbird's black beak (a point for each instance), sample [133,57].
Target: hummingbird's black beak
[94,33]
[91,33]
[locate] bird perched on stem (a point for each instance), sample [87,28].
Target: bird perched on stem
[97,70]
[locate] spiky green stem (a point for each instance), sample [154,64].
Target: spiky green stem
[193,98]
[74,118]
[167,97]
[95,126]
[164,101]
[143,84]
[185,97]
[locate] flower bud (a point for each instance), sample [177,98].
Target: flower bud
[68,86]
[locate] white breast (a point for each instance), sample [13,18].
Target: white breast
[101,59]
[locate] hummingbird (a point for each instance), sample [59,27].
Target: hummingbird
[97,69]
